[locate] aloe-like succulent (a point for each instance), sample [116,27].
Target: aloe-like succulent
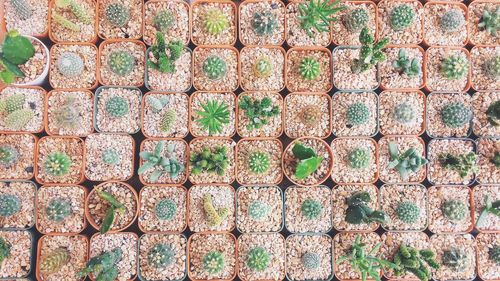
[405,65]
[160,162]
[490,21]
[308,160]
[109,216]
[407,162]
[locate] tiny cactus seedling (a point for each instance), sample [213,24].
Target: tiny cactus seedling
[492,67]
[58,209]
[117,14]
[165,209]
[358,211]
[310,115]
[456,115]
[455,259]
[214,67]
[5,248]
[160,162]
[210,161]
[215,21]
[454,67]
[68,115]
[258,111]
[357,114]
[370,53]
[157,104]
[14,103]
[18,119]
[213,262]
[454,210]
[401,17]
[463,164]
[490,21]
[22,8]
[116,106]
[163,20]
[9,205]
[8,156]
[70,64]
[57,164]
[309,68]
[311,260]
[404,113]
[494,254]
[311,209]
[493,113]
[408,212]
[264,23]
[258,162]
[103,267]
[405,163]
[55,260]
[258,259]
[121,63]
[64,22]
[452,20]
[356,19]
[359,158]
[258,210]
[408,259]
[168,120]
[110,156]
[404,65]
[263,67]
[161,256]
[214,217]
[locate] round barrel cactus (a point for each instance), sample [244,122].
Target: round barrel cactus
[492,67]
[404,113]
[455,115]
[402,17]
[163,20]
[215,21]
[116,106]
[8,155]
[214,67]
[357,113]
[452,20]
[57,164]
[9,205]
[263,67]
[264,23]
[121,63]
[356,19]
[258,259]
[454,210]
[161,255]
[213,262]
[70,64]
[311,209]
[165,209]
[454,67]
[311,260]
[58,209]
[110,156]
[408,212]
[309,68]
[359,158]
[117,14]
[258,210]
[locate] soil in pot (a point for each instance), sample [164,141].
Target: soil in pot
[480,35]
[35,66]
[351,20]
[484,62]
[449,209]
[488,267]
[152,170]
[21,194]
[488,151]
[449,114]
[405,206]
[117,110]
[272,13]
[215,69]
[18,261]
[309,257]
[262,68]
[70,113]
[73,66]
[489,222]
[344,78]
[463,246]
[74,22]
[165,115]
[32,23]
[162,257]
[355,114]
[401,113]
[60,160]
[211,208]
[308,114]
[17,156]
[259,209]
[296,36]
[340,194]
[481,123]
[355,160]
[214,23]
[122,63]
[309,70]
[414,172]
[447,69]
[445,24]
[214,146]
[259,161]
[202,105]
[260,256]
[270,116]
[403,68]
[342,243]
[127,25]
[401,32]
[27,114]
[168,17]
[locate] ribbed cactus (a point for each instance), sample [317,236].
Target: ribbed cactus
[75,8]
[215,21]
[311,260]
[454,210]
[165,209]
[258,210]
[121,62]
[258,162]
[264,23]
[18,119]
[168,120]
[214,216]
[58,209]
[494,254]
[5,248]
[213,262]
[116,106]
[68,115]
[214,67]
[23,8]
[117,14]
[70,64]
[8,155]
[13,103]
[311,209]
[452,20]
[455,115]
[163,20]
[55,260]
[310,115]
[263,67]
[358,158]
[309,68]
[57,164]
[454,67]
[356,19]
[492,67]
[455,258]
[110,156]
[402,17]
[408,212]
[161,255]
[404,113]
[10,205]
[64,22]
[357,114]
[258,259]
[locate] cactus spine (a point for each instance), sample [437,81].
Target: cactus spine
[214,216]
[55,260]
[70,64]
[23,8]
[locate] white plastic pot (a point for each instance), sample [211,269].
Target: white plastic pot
[40,79]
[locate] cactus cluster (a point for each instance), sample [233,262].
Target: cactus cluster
[311,209]
[215,21]
[370,53]
[310,115]
[75,8]
[165,54]
[309,68]
[357,114]
[8,155]
[490,21]
[258,259]
[213,262]
[258,210]
[64,22]
[258,162]
[210,160]
[13,103]
[214,216]
[10,205]
[161,162]
[404,65]
[161,255]
[454,67]
[359,158]
[57,164]
[405,163]
[359,212]
[404,113]
[165,209]
[311,260]
[110,156]
[116,106]
[16,116]
[264,23]
[408,259]
[70,64]
[455,259]
[104,266]
[492,67]
[121,62]
[258,111]
[163,20]
[456,115]
[356,19]
[452,20]
[494,254]
[23,8]
[167,120]
[463,164]
[408,212]
[454,210]
[401,17]
[117,14]
[5,248]
[214,67]
[58,209]
[318,15]
[55,260]
[263,67]
[67,116]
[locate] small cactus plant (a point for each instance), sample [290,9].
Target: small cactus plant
[456,115]
[309,68]
[401,17]
[258,162]
[258,111]
[311,260]
[163,20]
[117,14]
[455,258]
[404,113]
[408,212]
[161,162]
[357,114]
[58,209]
[104,266]
[168,120]
[412,260]
[23,8]
[70,64]
[310,115]
[494,254]
[55,260]
[10,205]
[64,22]
[116,106]
[490,21]
[18,119]
[5,248]
[57,164]
[214,67]
[76,9]
[264,23]
[358,158]
[8,156]
[311,209]
[165,209]
[492,67]
[213,262]
[165,54]
[13,103]
[454,67]
[258,259]
[258,210]
[452,20]
[214,216]
[493,113]
[454,210]
[110,156]
[404,65]
[67,116]
[263,67]
[358,211]
[215,21]
[121,62]
[161,256]
[210,161]
[370,53]
[356,19]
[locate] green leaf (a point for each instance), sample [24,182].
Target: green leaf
[16,48]
[106,196]
[108,220]
[302,152]
[10,67]
[7,77]
[355,215]
[145,166]
[308,166]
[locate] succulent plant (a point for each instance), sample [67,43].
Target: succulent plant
[264,23]
[452,20]
[168,120]
[258,210]
[214,67]
[55,260]
[117,14]
[408,212]
[463,164]
[163,20]
[493,113]
[70,64]
[408,259]
[356,19]
[370,53]
[157,104]
[357,114]
[165,209]
[409,161]
[23,8]
[496,159]
[214,216]
[405,66]
[311,209]
[161,255]
[317,15]
[215,21]
[165,54]
[64,22]
[5,248]
[16,50]
[110,156]
[454,210]
[103,267]
[57,164]
[121,62]
[359,212]
[310,115]
[263,67]
[258,162]
[456,115]
[79,12]
[258,259]
[489,208]
[8,156]
[12,103]
[210,160]
[401,17]
[311,260]
[454,67]
[213,116]
[358,158]
[213,262]
[58,209]
[309,68]
[492,67]
[404,113]
[18,119]
[494,254]
[490,21]
[113,205]
[258,111]
[308,160]
[67,116]
[116,106]
[161,162]
[455,258]
[10,205]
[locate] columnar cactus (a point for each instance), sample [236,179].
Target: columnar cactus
[402,17]
[452,20]
[64,22]
[263,67]
[356,19]
[14,103]
[404,113]
[58,209]
[258,259]
[258,210]
[258,162]
[110,156]
[358,158]
[213,262]
[456,259]
[264,23]
[454,210]
[494,254]
[121,62]
[357,114]
[10,205]
[167,121]
[163,20]
[161,256]
[311,260]
[8,155]
[55,260]
[492,67]
[311,209]
[408,212]
[455,115]
[70,64]
[57,164]
[309,68]
[214,67]
[23,8]
[18,119]
[310,115]
[116,106]
[215,21]
[454,67]
[165,209]
[214,216]
[79,12]
[117,14]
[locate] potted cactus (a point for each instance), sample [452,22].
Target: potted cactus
[403,68]
[402,159]
[309,69]
[262,68]
[214,22]
[215,68]
[17,156]
[456,255]
[488,160]
[22,109]
[262,22]
[120,19]
[16,250]
[70,113]
[401,21]
[486,112]
[449,114]
[402,112]
[356,160]
[483,23]
[73,21]
[405,206]
[485,62]
[73,66]
[309,257]
[168,17]
[260,256]
[352,19]
[486,204]
[356,114]
[447,69]
[259,114]
[163,161]
[445,24]
[488,256]
[17,204]
[308,114]
[165,114]
[258,161]
[28,17]
[212,114]
[450,209]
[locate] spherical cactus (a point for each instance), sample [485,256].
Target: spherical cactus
[18,119]
[311,260]
[356,19]
[168,120]
[117,14]
[454,210]
[310,115]
[452,20]
[454,67]
[9,205]
[215,22]
[492,67]
[70,64]
[165,209]
[163,20]
[357,113]
[110,156]
[263,67]
[402,17]
[116,106]
[121,63]
[408,212]
[161,255]
[214,67]
[258,162]
[23,8]
[213,262]
[264,23]
[455,115]
[57,164]
[309,68]
[494,254]
[8,156]
[358,158]
[58,209]
[311,209]
[14,103]
[258,259]
[404,113]
[258,210]
[456,259]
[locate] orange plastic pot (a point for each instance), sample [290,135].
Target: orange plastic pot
[99,18]
[261,1]
[3,26]
[191,113]
[426,62]
[216,47]
[187,6]
[287,15]
[296,49]
[375,16]
[199,2]
[452,3]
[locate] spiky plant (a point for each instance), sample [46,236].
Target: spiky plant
[110,156]
[455,259]
[5,248]
[161,255]
[309,68]
[493,113]
[58,209]
[408,212]
[67,116]
[401,17]
[213,116]
[167,121]
[310,115]
[214,216]
[452,20]
[258,210]
[57,164]
[104,267]
[9,155]
[454,210]
[454,67]
[160,162]
[258,162]
[64,22]
[258,111]
[55,260]
[490,21]
[409,259]
[258,259]
[215,21]
[370,53]
[163,20]
[358,158]
[456,115]
[121,62]
[311,209]
[70,64]
[73,5]
[404,113]
[410,161]
[311,260]
[165,54]
[165,209]
[263,67]
[357,114]
[492,67]
[23,8]
[317,15]
[116,106]
[117,14]
[18,119]
[356,19]
[10,205]
[213,262]
[404,65]
[264,23]
[214,67]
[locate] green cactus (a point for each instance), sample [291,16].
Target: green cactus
[258,111]
[357,114]
[493,113]
[23,8]
[117,106]
[454,67]
[258,259]
[165,54]
[168,120]
[404,65]
[258,210]
[359,158]
[214,216]
[70,64]
[163,20]
[452,20]
[456,115]
[5,248]
[213,262]
[121,62]
[210,161]
[455,258]
[311,260]
[18,119]
[215,21]
[162,163]
[161,256]
[264,23]
[67,116]
[13,103]
[57,164]
[408,212]
[58,209]
[408,259]
[10,205]
[8,156]
[454,210]
[370,53]
[263,67]
[214,67]
[317,15]
[103,267]
[494,254]
[492,67]
[309,68]
[55,260]
[463,164]
[258,162]
[401,17]
[117,14]
[110,156]
[356,19]
[404,113]
[405,163]
[310,115]
[165,209]
[75,8]
[358,211]
[490,21]
[157,104]
[311,209]
[64,22]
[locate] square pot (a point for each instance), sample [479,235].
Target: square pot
[477,35]
[249,247]
[393,195]
[301,250]
[480,58]
[487,148]
[298,37]
[413,34]
[19,263]
[342,35]
[85,26]
[24,192]
[250,172]
[464,243]
[434,78]
[403,143]
[320,81]
[224,79]
[342,243]
[274,124]
[345,79]
[389,101]
[69,113]
[200,35]
[343,172]
[271,77]
[395,78]
[35,25]
[434,34]
[490,222]
[34,99]
[357,103]
[130,28]
[308,114]
[440,220]
[153,117]
[73,66]
[174,29]
[180,80]
[199,101]
[274,34]
[487,269]
[21,148]
[481,126]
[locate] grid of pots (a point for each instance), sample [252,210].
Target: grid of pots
[120,70]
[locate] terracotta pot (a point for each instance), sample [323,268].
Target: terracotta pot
[188,7]
[261,1]
[459,5]
[3,27]
[322,49]
[478,256]
[198,2]
[473,208]
[146,74]
[424,99]
[239,111]
[191,114]
[422,68]
[51,34]
[35,156]
[426,62]
[263,47]
[358,2]
[216,47]
[132,6]
[418,3]
[42,106]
